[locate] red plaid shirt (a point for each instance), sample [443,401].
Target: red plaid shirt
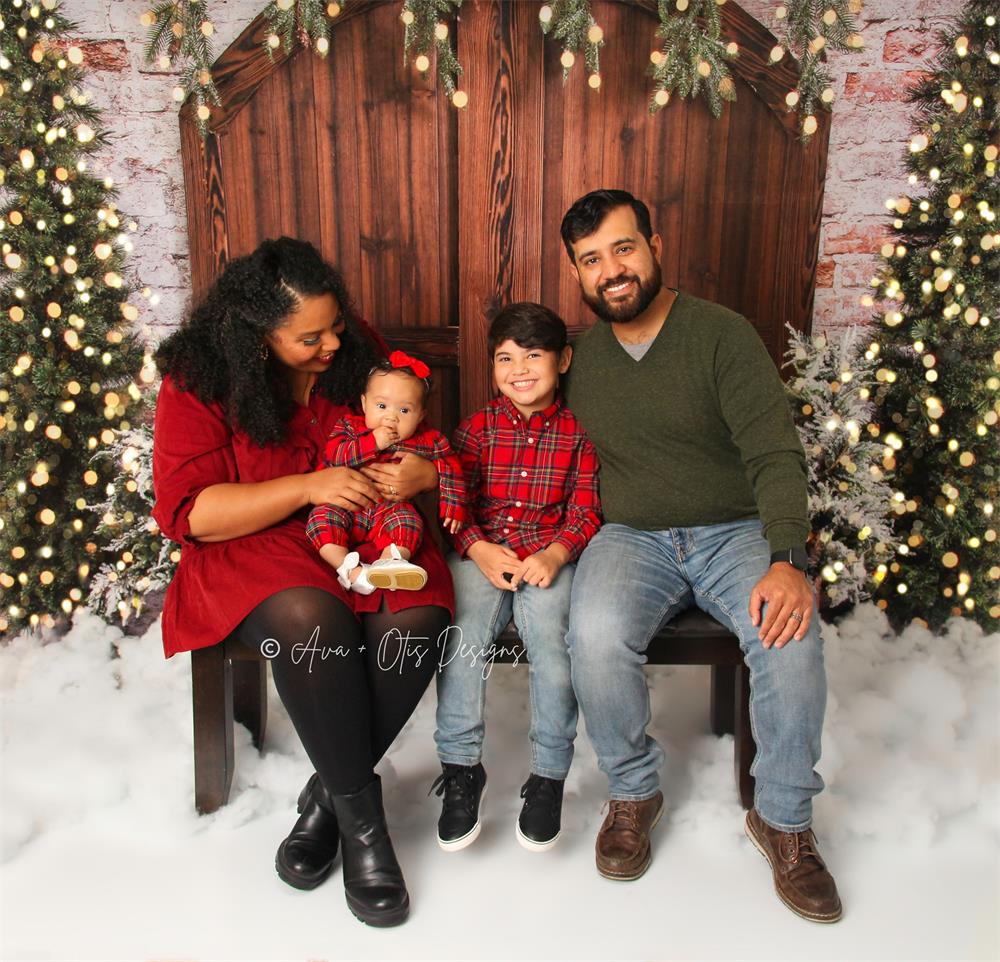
[352,444]
[532,483]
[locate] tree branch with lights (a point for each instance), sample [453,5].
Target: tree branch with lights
[938,394]
[68,351]
[691,61]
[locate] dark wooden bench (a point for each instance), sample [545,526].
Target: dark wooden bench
[229,683]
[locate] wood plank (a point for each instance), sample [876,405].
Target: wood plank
[484,145]
[302,203]
[200,164]
[243,233]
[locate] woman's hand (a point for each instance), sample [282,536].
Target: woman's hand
[404,479]
[343,487]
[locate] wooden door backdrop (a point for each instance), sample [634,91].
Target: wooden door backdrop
[436,216]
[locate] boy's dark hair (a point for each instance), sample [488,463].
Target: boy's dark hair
[586,214]
[528,325]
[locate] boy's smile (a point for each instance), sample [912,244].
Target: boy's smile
[529,376]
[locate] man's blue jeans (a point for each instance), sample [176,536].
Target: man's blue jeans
[482,611]
[628,583]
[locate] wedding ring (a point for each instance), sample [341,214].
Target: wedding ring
[795,616]
[392,491]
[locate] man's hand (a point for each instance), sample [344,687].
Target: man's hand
[541,567]
[452,525]
[494,560]
[385,436]
[787,593]
[402,480]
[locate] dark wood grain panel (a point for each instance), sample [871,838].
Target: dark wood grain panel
[484,170]
[200,162]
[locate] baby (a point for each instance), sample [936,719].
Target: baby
[393,406]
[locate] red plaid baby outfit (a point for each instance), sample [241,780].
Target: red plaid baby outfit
[352,445]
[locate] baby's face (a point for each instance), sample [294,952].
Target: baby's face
[394,400]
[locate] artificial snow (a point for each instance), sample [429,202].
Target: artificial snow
[105,858]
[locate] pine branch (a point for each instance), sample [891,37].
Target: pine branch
[427,29]
[180,30]
[693,59]
[811,29]
[572,23]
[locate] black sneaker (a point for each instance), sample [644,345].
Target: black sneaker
[539,822]
[463,787]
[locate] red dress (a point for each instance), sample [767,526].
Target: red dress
[218,583]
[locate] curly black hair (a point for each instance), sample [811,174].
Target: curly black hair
[218,353]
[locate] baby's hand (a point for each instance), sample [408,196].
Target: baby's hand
[385,437]
[452,524]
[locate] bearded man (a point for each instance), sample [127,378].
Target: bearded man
[703,484]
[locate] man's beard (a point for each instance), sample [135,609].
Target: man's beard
[648,288]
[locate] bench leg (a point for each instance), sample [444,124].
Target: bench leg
[212,704]
[746,750]
[721,710]
[250,697]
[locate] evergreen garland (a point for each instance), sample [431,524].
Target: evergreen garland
[811,30]
[426,23]
[692,61]
[299,21]
[181,30]
[572,24]
[693,58]
[67,348]
[939,344]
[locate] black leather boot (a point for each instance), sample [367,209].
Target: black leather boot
[373,882]
[305,858]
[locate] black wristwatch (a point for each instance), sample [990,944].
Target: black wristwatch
[796,557]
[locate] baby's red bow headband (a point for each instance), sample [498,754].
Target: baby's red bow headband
[400,359]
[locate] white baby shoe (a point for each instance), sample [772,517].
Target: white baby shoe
[361,584]
[394,572]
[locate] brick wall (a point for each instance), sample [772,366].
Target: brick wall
[870,130]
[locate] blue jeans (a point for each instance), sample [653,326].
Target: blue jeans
[482,611]
[628,583]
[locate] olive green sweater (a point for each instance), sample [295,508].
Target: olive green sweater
[696,432]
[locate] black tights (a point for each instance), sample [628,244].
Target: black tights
[348,706]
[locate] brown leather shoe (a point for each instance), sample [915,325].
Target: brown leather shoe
[801,878]
[623,841]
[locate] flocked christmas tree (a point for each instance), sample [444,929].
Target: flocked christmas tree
[830,386]
[939,384]
[67,350]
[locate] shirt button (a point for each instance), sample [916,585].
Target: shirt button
[517,504]
[506,530]
[524,474]
[510,517]
[531,440]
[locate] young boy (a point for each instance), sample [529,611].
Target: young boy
[531,477]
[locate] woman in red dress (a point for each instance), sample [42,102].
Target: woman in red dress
[252,385]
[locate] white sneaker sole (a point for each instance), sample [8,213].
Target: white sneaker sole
[457,844]
[530,844]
